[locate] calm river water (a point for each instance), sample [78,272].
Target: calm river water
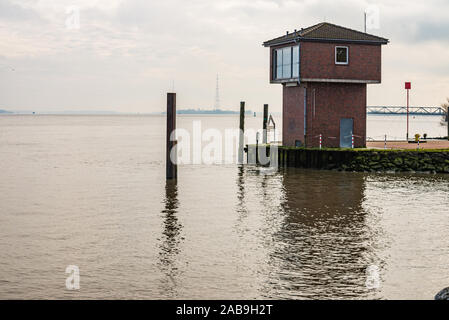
[90,191]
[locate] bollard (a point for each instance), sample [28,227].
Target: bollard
[352,141]
[321,140]
[385,143]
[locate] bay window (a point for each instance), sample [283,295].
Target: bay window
[286,63]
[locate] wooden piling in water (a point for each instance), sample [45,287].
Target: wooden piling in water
[171,167]
[241,133]
[257,148]
[265,122]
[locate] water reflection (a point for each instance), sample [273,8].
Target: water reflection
[169,247]
[267,183]
[241,205]
[324,224]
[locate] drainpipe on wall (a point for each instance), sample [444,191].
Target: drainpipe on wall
[305,115]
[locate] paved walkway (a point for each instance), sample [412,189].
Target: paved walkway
[430,144]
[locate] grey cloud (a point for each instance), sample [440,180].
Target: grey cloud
[142,45]
[431,31]
[12,11]
[412,29]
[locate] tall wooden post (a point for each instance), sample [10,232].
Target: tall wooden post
[242,130]
[257,148]
[171,154]
[265,122]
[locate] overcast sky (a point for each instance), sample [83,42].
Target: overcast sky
[126,54]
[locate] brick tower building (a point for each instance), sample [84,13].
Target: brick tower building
[324,70]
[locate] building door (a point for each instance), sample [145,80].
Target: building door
[346,130]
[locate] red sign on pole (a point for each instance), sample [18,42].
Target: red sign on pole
[408,86]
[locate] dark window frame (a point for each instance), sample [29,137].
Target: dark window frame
[275,63]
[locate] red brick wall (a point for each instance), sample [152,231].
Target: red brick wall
[318,61]
[292,115]
[327,103]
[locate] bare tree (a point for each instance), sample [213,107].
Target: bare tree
[445,121]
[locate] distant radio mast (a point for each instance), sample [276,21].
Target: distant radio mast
[365,20]
[217,96]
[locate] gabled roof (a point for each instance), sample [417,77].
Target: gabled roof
[327,32]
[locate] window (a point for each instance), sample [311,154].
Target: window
[278,64]
[286,62]
[295,62]
[341,55]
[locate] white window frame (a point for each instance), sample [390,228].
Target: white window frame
[347,55]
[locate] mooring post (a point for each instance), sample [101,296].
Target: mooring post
[171,152]
[257,148]
[265,122]
[242,131]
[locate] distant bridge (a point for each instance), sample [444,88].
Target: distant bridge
[435,111]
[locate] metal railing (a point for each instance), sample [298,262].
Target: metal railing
[403,110]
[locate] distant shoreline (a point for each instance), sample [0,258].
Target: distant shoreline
[179,112]
[158,114]
[96,112]
[208,112]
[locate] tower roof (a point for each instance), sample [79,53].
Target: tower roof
[326,32]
